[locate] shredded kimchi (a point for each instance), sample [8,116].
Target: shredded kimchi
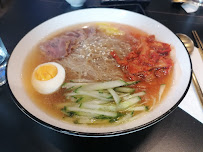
[148,59]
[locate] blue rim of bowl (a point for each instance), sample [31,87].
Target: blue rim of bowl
[105,134]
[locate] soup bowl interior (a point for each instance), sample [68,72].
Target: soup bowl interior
[181,77]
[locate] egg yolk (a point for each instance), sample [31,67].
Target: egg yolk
[46,72]
[109,29]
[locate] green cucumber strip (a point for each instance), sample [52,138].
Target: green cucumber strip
[104,85]
[93,111]
[99,85]
[78,100]
[116,98]
[103,117]
[86,99]
[128,118]
[97,93]
[128,103]
[88,94]
[115,119]
[161,90]
[125,89]
[121,95]
[86,114]
[132,83]
[96,101]
[72,98]
[137,108]
[76,90]
[78,113]
[134,95]
[139,94]
[124,118]
[70,113]
[99,107]
[69,85]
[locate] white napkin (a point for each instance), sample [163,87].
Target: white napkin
[189,7]
[191,103]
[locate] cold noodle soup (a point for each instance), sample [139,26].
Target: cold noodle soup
[98,73]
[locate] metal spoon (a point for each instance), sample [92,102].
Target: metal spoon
[190,47]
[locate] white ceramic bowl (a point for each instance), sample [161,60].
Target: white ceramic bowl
[181,80]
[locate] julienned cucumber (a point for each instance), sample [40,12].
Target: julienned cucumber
[134,95]
[137,108]
[107,85]
[93,111]
[69,85]
[125,89]
[97,96]
[99,101]
[103,107]
[116,98]
[161,90]
[126,104]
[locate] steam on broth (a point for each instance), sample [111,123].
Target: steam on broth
[113,73]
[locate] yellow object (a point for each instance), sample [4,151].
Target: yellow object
[46,72]
[48,77]
[109,29]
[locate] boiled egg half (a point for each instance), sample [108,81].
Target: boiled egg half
[48,77]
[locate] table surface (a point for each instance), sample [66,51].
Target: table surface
[177,132]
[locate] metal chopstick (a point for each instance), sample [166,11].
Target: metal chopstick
[199,42]
[198,89]
[200,46]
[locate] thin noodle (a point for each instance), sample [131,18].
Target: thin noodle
[91,60]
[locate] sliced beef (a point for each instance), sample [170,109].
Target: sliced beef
[63,45]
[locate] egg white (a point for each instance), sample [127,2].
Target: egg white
[51,85]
